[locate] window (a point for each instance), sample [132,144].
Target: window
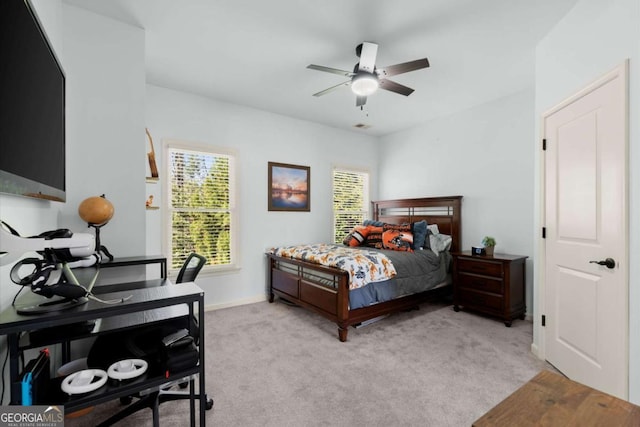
[350,201]
[200,207]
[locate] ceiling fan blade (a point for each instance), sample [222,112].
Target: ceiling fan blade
[330,70]
[405,67]
[368,57]
[360,101]
[395,87]
[332,88]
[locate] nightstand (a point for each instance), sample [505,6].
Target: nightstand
[493,285]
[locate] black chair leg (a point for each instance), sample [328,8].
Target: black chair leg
[153,402]
[192,402]
[149,401]
[156,413]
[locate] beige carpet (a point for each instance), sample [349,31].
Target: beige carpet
[278,365]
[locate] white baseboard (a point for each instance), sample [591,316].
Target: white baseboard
[244,301]
[534,350]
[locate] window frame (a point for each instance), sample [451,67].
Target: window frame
[366,193]
[167,246]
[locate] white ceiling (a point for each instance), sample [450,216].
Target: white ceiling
[255,52]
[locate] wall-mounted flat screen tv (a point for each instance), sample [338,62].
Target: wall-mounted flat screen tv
[32,107]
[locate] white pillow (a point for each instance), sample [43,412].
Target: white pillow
[433,228]
[440,243]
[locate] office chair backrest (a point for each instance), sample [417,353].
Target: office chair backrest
[191,267]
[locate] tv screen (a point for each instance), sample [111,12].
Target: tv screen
[32,107]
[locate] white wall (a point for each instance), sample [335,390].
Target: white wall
[592,39]
[482,154]
[105,137]
[257,137]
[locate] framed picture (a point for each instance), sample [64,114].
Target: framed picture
[289,187]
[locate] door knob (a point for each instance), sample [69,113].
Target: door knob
[609,262]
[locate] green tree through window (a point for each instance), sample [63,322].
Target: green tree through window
[350,201]
[200,206]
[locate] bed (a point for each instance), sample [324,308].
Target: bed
[326,290]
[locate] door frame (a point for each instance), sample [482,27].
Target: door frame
[539,348]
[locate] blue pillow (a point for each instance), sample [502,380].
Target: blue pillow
[372,222]
[419,230]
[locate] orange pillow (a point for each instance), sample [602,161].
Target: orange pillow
[374,238]
[397,240]
[397,227]
[357,236]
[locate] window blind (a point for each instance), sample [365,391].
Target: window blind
[350,201]
[200,206]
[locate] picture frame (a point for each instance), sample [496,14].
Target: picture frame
[289,187]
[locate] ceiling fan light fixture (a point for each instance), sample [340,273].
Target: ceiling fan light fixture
[364,84]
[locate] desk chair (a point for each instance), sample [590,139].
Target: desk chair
[191,267]
[188,273]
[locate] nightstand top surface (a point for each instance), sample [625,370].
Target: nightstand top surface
[496,256]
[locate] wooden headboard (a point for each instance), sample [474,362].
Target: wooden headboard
[444,211]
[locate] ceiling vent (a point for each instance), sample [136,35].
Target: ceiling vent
[361,126]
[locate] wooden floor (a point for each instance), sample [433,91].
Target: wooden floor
[549,399]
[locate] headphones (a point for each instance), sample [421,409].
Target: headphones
[38,276]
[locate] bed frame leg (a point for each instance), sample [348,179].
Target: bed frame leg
[271,296]
[342,333]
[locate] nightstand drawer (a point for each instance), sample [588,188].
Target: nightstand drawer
[485,301]
[481,283]
[480,267]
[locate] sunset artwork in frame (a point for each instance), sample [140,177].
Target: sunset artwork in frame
[289,187]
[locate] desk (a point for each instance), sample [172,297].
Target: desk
[552,400]
[143,307]
[139,260]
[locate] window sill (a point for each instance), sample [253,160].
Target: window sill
[209,272]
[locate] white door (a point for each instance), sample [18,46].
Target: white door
[586,304]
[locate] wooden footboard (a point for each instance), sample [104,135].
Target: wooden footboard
[325,290]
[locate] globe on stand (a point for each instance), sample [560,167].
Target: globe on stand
[96,212]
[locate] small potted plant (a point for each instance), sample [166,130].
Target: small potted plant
[489,243]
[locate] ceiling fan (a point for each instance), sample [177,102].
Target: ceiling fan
[366,78]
